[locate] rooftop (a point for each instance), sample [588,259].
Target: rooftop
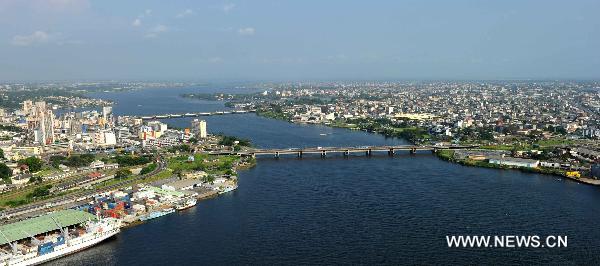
[42,224]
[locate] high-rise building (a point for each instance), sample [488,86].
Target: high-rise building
[107,113]
[158,126]
[27,107]
[199,128]
[42,121]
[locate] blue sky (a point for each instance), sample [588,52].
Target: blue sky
[298,40]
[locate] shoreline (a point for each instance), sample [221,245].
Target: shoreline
[542,171]
[552,172]
[200,197]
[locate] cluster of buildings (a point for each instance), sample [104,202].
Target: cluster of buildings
[42,129]
[39,129]
[565,114]
[149,201]
[447,107]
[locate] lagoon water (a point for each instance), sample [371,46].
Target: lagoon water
[357,210]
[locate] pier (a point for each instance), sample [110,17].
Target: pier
[346,151]
[198,114]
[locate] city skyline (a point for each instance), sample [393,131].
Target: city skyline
[272,40]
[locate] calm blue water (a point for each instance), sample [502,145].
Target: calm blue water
[360,210]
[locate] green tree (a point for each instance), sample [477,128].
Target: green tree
[79,160]
[2,154]
[35,179]
[56,160]
[208,179]
[123,173]
[148,169]
[40,192]
[34,163]
[5,172]
[127,160]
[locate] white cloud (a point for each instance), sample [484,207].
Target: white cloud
[246,31]
[157,30]
[42,37]
[34,38]
[185,13]
[228,7]
[137,22]
[148,12]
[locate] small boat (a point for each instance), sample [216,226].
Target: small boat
[184,204]
[156,214]
[228,189]
[323,134]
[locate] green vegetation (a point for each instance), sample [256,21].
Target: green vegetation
[28,196]
[35,164]
[389,128]
[447,155]
[151,167]
[120,176]
[180,148]
[39,192]
[10,128]
[211,164]
[555,142]
[5,172]
[208,179]
[129,160]
[35,179]
[230,141]
[13,99]
[123,173]
[72,161]
[56,160]
[274,114]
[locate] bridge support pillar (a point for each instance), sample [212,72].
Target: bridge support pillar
[391,152]
[323,153]
[300,154]
[347,153]
[413,150]
[369,152]
[434,150]
[276,154]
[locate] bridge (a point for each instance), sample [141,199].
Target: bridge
[167,116]
[346,151]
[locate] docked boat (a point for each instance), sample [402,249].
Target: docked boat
[54,235]
[156,214]
[186,203]
[228,189]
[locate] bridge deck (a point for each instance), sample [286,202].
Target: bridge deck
[197,114]
[323,150]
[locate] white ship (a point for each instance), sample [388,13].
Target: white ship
[54,235]
[228,189]
[186,203]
